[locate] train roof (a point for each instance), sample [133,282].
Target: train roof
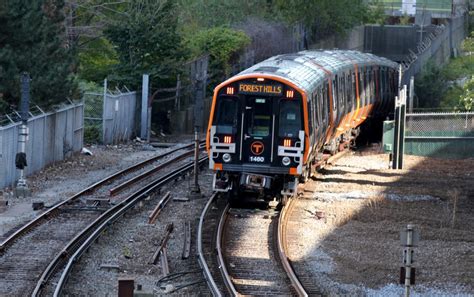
[307,68]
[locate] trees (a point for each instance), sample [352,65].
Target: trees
[467,98]
[222,44]
[324,17]
[430,86]
[146,41]
[33,39]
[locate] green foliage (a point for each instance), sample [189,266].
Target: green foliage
[459,67]
[467,98]
[32,39]
[97,59]
[324,17]
[375,13]
[451,97]
[92,134]
[146,41]
[405,19]
[223,45]
[468,44]
[430,86]
[203,14]
[89,86]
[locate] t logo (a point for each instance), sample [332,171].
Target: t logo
[257,148]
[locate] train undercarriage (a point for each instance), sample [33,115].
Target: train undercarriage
[242,188]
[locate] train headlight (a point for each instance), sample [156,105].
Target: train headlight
[286,161]
[226,158]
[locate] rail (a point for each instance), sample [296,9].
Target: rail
[114,213]
[281,250]
[44,216]
[220,257]
[202,261]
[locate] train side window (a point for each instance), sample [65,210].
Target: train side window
[322,105]
[375,74]
[361,89]
[374,85]
[370,87]
[367,87]
[314,102]
[383,84]
[227,115]
[290,118]
[354,91]
[342,93]
[310,114]
[348,91]
[334,95]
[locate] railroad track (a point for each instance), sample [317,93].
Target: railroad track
[250,246]
[34,254]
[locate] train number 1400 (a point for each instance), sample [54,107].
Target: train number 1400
[257,159]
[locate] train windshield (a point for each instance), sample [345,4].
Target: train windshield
[290,118]
[227,115]
[260,117]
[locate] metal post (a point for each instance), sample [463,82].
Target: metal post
[144,109]
[400,76]
[408,258]
[20,160]
[396,134]
[411,94]
[177,104]
[199,96]
[401,140]
[104,112]
[195,188]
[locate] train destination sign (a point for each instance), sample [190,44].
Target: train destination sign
[259,89]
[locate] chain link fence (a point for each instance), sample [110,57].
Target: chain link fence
[93,109]
[53,136]
[110,117]
[445,135]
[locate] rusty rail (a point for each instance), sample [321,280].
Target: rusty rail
[161,204]
[187,240]
[201,259]
[53,210]
[145,174]
[72,252]
[164,241]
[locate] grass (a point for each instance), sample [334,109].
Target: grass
[459,67]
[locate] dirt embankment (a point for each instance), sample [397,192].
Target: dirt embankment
[365,205]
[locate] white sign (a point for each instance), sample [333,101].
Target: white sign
[415,238]
[409,7]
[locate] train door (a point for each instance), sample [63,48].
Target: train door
[259,121]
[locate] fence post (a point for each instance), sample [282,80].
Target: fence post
[401,141]
[104,105]
[399,135]
[178,90]
[411,94]
[396,133]
[144,108]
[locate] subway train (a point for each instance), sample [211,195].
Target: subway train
[270,124]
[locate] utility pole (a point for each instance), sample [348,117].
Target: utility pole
[20,159]
[198,106]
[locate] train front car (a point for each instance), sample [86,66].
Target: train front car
[270,124]
[256,136]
